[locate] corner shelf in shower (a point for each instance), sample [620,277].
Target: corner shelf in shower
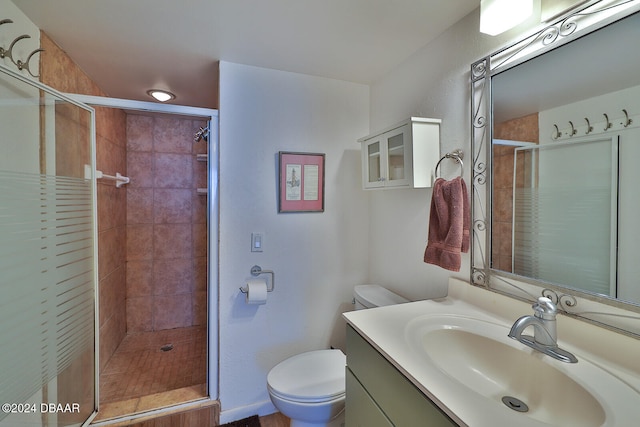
[202,158]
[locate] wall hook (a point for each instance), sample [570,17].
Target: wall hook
[557,133]
[589,127]
[608,123]
[573,129]
[627,121]
[8,53]
[25,65]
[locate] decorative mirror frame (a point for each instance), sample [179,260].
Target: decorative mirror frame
[586,18]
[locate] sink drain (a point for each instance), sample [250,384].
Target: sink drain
[167,347]
[515,404]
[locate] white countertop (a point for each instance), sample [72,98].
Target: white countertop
[384,328]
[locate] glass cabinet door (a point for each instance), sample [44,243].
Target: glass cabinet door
[375,175]
[398,160]
[396,157]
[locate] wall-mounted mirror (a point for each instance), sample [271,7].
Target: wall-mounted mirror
[556,140]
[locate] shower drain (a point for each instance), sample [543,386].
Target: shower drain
[167,347]
[515,404]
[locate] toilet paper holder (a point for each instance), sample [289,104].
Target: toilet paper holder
[256,271]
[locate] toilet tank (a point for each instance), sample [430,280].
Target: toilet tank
[370,296]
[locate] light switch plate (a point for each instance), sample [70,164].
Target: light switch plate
[257,242]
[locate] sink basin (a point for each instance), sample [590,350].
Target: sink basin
[479,360]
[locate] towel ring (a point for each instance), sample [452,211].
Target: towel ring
[455,155]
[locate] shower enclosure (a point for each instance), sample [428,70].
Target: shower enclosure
[157,255]
[82,278]
[47,257]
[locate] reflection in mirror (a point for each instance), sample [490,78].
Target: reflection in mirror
[555,201]
[561,227]
[559,150]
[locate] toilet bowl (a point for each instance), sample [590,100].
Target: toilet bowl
[309,388]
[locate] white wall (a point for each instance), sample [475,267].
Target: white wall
[19,110]
[432,83]
[317,257]
[362,236]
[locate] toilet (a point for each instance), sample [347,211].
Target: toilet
[371,296]
[309,388]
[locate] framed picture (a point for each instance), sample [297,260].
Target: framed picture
[301,182]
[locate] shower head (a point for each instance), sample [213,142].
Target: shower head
[203,133]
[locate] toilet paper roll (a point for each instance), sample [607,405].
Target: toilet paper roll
[256,291]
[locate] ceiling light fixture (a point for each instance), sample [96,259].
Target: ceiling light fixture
[498,16]
[161,95]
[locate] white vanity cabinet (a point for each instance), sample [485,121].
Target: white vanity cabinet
[378,395]
[401,156]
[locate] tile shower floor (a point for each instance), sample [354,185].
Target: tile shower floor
[139,367]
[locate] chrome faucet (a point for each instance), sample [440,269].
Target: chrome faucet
[545,334]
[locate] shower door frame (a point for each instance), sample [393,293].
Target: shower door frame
[43,88]
[211,115]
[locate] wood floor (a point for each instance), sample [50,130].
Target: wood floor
[274,420]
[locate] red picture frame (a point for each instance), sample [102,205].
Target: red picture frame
[301,182]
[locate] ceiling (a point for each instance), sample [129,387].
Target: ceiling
[128,47]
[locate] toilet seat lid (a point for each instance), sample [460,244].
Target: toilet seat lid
[312,376]
[372,296]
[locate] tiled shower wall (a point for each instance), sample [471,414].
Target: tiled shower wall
[520,129]
[180,293]
[166,224]
[60,72]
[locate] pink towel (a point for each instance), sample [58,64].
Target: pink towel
[449,222]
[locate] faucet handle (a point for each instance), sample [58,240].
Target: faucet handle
[544,308]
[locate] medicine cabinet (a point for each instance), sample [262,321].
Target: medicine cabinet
[401,156]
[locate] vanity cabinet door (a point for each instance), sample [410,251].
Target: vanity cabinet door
[400,401]
[361,410]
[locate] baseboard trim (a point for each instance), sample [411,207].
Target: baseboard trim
[259,408]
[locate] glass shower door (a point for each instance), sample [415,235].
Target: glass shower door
[47,257]
[555,198]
